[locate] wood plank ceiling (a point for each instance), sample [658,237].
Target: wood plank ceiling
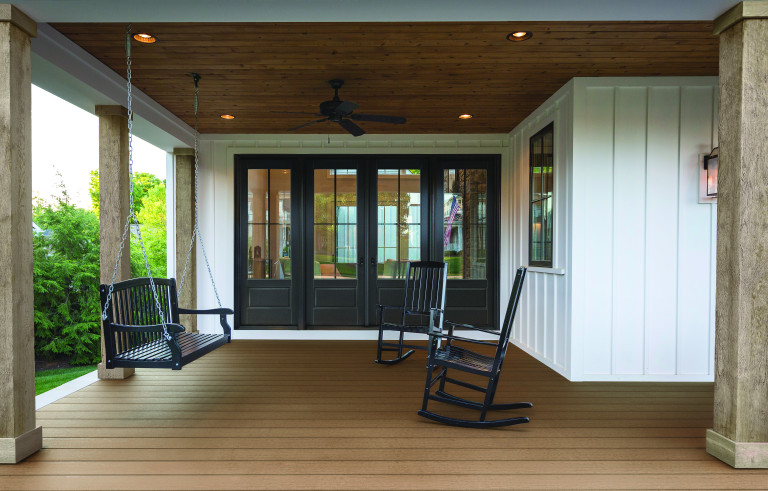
[427,72]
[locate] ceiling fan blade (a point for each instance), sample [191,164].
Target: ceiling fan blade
[296,112]
[345,108]
[377,118]
[307,124]
[351,127]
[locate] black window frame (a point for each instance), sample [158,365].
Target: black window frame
[545,262]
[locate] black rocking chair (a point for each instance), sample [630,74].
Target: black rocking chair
[451,356]
[424,290]
[134,335]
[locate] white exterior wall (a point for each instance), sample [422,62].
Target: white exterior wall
[217,196]
[643,276]
[543,323]
[631,294]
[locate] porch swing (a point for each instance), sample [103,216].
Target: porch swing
[140,316]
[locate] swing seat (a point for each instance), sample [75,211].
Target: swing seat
[133,332]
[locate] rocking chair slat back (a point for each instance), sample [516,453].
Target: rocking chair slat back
[424,290]
[424,285]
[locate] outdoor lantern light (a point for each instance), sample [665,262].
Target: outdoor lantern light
[710,165]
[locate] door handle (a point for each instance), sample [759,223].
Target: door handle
[373,260]
[361,261]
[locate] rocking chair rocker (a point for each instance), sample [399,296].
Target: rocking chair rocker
[424,290]
[464,360]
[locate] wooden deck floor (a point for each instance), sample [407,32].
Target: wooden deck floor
[320,414]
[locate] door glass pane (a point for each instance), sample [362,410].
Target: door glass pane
[335,223]
[269,223]
[465,222]
[398,215]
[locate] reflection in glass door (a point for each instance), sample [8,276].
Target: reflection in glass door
[398,219]
[469,242]
[265,254]
[336,292]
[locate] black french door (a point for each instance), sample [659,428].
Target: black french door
[321,240]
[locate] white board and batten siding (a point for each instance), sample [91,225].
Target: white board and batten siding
[636,247]
[543,323]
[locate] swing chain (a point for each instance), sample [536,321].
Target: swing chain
[131,212]
[196,231]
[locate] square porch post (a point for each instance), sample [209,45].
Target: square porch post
[19,435]
[185,222]
[740,434]
[114,204]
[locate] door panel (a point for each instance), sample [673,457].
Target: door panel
[266,266]
[469,240]
[334,246]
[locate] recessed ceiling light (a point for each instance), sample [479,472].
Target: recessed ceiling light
[519,36]
[143,37]
[465,116]
[227,116]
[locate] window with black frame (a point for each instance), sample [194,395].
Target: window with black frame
[541,187]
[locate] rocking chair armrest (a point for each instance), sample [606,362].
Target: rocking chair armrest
[385,307]
[171,327]
[460,338]
[219,311]
[474,328]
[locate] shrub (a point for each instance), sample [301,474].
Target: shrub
[66,283]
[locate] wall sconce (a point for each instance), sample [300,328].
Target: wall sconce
[708,167]
[710,164]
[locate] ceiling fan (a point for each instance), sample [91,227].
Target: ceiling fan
[341,112]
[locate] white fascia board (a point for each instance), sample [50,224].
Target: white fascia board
[66,70]
[370,10]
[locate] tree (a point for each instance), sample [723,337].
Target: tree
[143,182]
[153,233]
[66,282]
[149,206]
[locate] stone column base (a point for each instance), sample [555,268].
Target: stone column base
[14,450]
[114,373]
[741,455]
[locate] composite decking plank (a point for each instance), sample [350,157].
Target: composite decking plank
[321,414]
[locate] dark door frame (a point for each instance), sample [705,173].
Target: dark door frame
[302,166]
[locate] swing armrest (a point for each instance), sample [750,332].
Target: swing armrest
[220,311]
[172,328]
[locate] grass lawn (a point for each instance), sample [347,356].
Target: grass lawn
[46,380]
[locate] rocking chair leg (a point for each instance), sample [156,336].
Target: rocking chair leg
[381,340]
[427,387]
[400,350]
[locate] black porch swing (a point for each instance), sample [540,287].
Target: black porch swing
[140,316]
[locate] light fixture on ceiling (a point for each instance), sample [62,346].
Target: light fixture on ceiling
[227,116]
[518,36]
[145,38]
[465,116]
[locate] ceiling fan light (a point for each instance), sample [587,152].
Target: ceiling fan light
[518,36]
[145,38]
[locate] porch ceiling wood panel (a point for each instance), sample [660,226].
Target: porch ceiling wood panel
[321,414]
[428,72]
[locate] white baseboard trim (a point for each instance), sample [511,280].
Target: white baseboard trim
[338,335]
[64,390]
